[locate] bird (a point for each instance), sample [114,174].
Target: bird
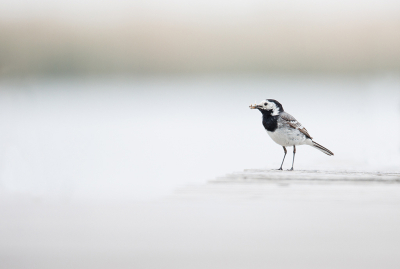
[284,129]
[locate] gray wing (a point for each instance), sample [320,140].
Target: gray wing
[292,122]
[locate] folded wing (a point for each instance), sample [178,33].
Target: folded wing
[292,122]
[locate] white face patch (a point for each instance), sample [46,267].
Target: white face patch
[266,105]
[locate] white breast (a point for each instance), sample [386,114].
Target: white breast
[288,136]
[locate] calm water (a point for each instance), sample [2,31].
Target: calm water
[115,139]
[109,173]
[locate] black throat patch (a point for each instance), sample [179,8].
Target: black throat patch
[270,122]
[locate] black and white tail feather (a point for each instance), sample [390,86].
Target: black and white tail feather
[321,148]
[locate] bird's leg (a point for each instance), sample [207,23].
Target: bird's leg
[294,153]
[284,149]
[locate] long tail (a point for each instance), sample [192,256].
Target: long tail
[321,148]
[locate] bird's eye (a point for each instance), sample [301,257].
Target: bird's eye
[265,104]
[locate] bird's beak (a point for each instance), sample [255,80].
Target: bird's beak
[253,106]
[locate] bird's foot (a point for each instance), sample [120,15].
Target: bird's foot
[291,169]
[280,169]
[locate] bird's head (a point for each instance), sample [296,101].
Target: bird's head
[269,106]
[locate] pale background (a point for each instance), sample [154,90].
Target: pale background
[117,117]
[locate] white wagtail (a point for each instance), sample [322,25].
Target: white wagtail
[284,129]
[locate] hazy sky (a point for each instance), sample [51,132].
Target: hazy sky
[95,11]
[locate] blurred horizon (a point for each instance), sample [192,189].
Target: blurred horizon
[154,37]
[120,118]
